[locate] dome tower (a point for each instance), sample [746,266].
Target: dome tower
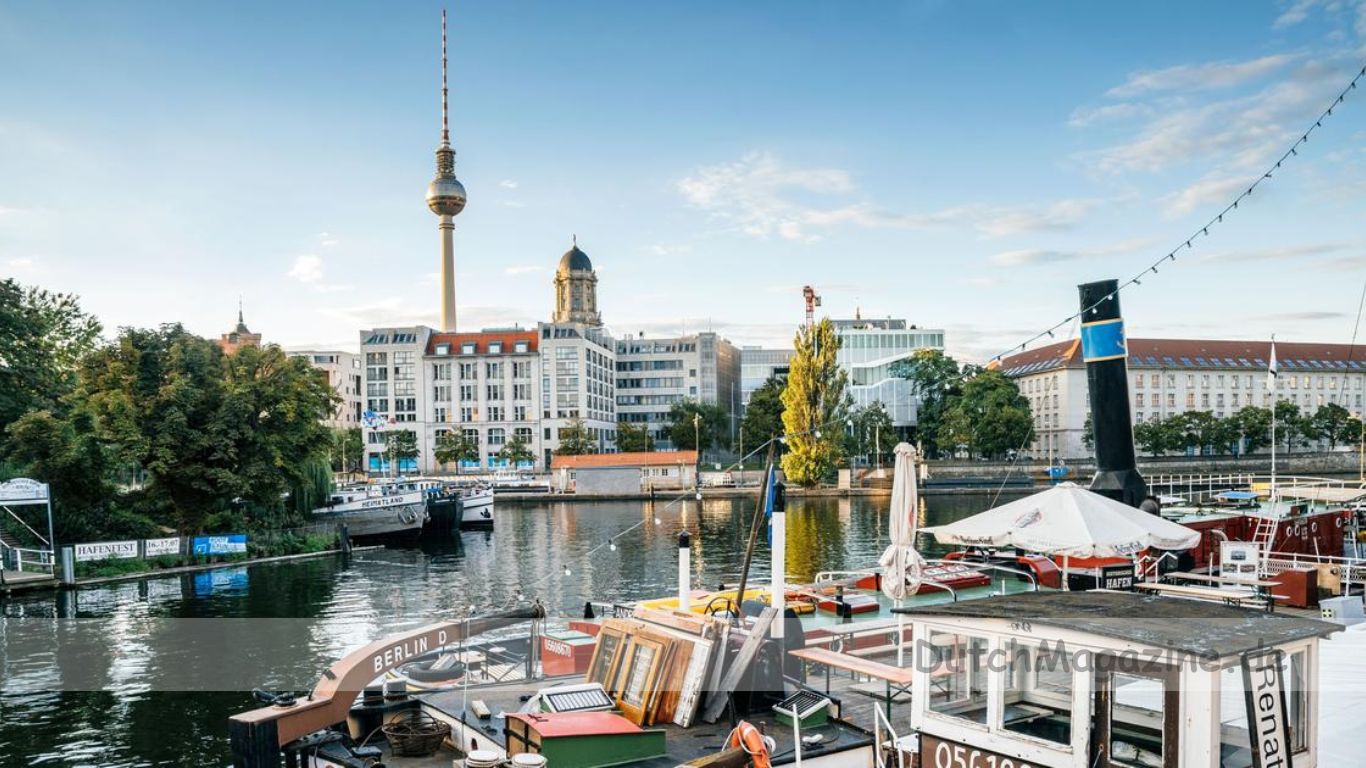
[446,198]
[576,289]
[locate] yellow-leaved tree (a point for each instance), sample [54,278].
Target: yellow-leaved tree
[814,406]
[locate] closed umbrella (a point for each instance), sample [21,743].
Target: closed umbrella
[1068,521]
[901,563]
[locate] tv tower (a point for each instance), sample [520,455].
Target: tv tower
[446,198]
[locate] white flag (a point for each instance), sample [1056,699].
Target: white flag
[1271,371]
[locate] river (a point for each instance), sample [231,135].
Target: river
[131,721]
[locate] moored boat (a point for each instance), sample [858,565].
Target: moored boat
[374,512]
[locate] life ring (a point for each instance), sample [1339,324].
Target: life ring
[755,744]
[1339,520]
[1314,526]
[407,515]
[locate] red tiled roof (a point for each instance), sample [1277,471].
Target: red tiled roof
[1213,354]
[638,459]
[482,339]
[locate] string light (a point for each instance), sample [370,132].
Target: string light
[612,545]
[1203,230]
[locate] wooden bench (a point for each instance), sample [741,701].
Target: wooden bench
[897,680]
[1236,597]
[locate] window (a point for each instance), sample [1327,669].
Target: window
[495,413]
[468,371]
[637,677]
[495,347]
[493,370]
[521,370]
[1037,696]
[469,392]
[1155,380]
[1171,399]
[441,393]
[519,413]
[467,348]
[497,436]
[1138,381]
[602,669]
[521,391]
[494,392]
[523,434]
[961,690]
[1190,399]
[1139,725]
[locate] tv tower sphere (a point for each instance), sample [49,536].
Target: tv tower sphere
[446,195]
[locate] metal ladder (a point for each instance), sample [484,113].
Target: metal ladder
[881,743]
[1264,536]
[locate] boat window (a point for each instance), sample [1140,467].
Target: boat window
[1234,746]
[958,680]
[1141,718]
[638,672]
[1037,701]
[603,667]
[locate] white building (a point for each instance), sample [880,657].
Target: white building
[578,365]
[346,377]
[1172,376]
[869,349]
[653,374]
[487,386]
[758,365]
[396,389]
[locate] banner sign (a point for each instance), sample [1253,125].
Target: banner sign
[230,544]
[1267,714]
[158,547]
[1117,576]
[106,550]
[23,490]
[1103,340]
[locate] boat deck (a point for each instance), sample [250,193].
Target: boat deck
[853,728]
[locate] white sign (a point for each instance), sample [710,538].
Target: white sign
[156,547]
[106,550]
[1264,691]
[22,489]
[1239,560]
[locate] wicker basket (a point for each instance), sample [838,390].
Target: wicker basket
[415,734]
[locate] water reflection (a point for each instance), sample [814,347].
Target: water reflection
[352,602]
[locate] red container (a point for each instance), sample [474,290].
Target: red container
[1298,588]
[566,653]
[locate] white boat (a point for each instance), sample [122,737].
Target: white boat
[372,512]
[477,507]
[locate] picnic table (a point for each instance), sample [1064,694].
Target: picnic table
[1234,596]
[897,680]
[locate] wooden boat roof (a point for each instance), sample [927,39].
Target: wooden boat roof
[1204,629]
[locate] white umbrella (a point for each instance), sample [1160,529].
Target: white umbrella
[1070,521]
[901,563]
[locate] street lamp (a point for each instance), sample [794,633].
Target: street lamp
[697,445]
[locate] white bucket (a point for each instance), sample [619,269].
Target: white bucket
[482,758]
[528,760]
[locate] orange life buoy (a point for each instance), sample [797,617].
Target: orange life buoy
[755,744]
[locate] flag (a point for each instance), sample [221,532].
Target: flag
[1271,370]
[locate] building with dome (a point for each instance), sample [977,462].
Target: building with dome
[576,289]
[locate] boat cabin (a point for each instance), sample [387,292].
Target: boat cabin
[1113,680]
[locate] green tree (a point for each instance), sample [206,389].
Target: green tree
[869,432]
[763,418]
[574,439]
[1254,427]
[516,451]
[691,422]
[989,416]
[1290,424]
[1088,433]
[453,446]
[347,450]
[936,378]
[633,438]
[1195,430]
[1330,422]
[1152,436]
[814,405]
[401,445]
[43,337]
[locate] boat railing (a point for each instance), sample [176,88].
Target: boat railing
[1148,571]
[824,577]
[1353,569]
[1203,488]
[1004,570]
[884,738]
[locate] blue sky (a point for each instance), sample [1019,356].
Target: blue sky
[962,165]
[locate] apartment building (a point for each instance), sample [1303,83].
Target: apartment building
[346,376]
[868,351]
[653,374]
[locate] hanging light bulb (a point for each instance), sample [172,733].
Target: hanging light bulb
[567,572]
[612,545]
[699,495]
[658,521]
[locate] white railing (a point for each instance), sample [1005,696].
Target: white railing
[882,725]
[35,559]
[1148,571]
[1203,488]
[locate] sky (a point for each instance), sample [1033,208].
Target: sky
[962,165]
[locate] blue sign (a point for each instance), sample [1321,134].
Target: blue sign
[230,544]
[1103,340]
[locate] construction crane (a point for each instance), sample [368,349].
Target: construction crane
[813,300]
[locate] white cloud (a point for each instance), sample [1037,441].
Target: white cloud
[1294,14]
[508,184]
[20,265]
[1031,256]
[307,268]
[1200,77]
[1278,253]
[1206,192]
[763,197]
[669,249]
[521,269]
[1083,117]
[513,204]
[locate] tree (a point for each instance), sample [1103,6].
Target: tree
[936,378]
[400,445]
[814,405]
[691,422]
[763,414]
[1254,427]
[454,446]
[869,431]
[574,439]
[1088,433]
[1152,436]
[989,416]
[516,451]
[1193,429]
[1330,423]
[633,438]
[43,337]
[347,450]
[1290,425]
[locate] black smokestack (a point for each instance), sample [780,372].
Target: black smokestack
[1105,350]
